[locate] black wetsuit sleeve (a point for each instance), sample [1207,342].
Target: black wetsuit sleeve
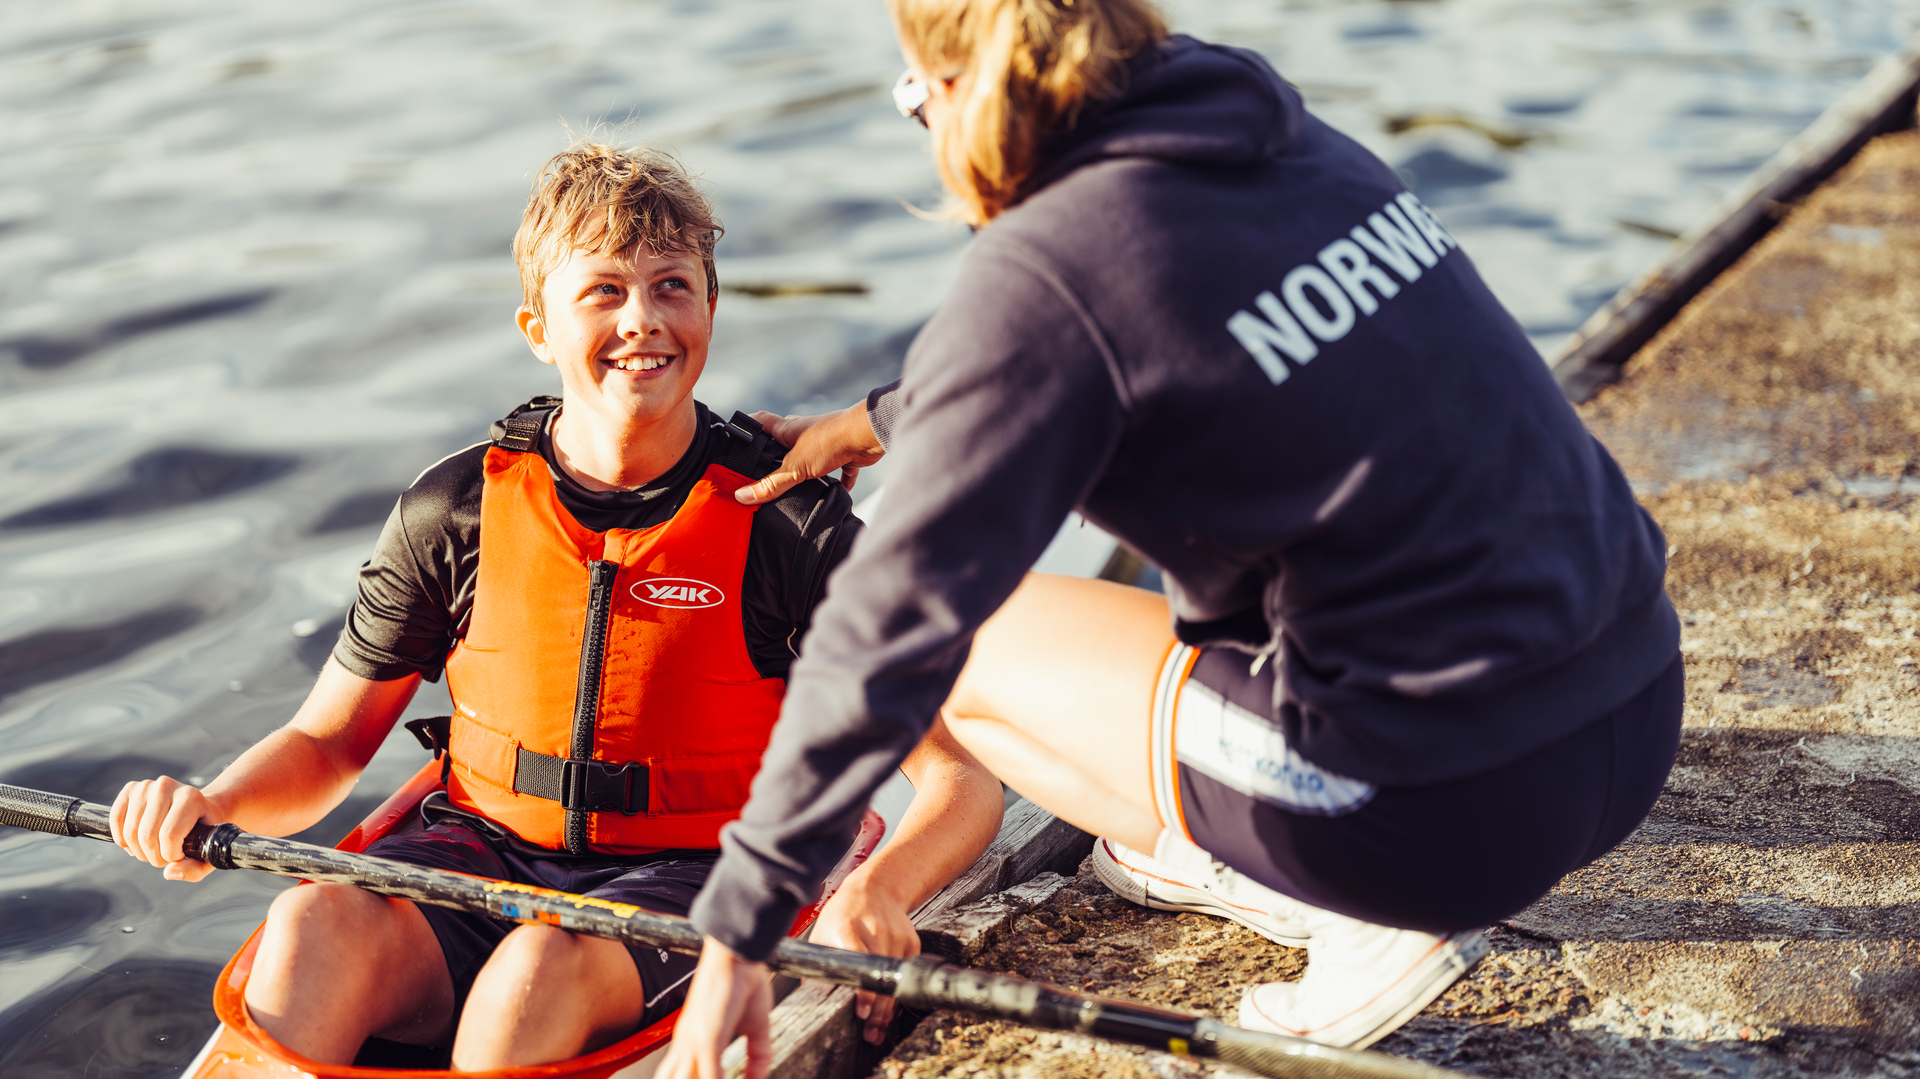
[1012,412]
[416,593]
[796,542]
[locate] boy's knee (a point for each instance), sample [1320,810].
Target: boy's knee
[325,903]
[328,913]
[527,955]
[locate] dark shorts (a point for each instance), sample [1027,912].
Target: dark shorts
[666,883]
[1439,858]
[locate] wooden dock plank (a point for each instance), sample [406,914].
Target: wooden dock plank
[814,1032]
[1883,101]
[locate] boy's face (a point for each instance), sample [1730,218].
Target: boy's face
[628,332]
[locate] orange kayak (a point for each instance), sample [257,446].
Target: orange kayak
[239,1049]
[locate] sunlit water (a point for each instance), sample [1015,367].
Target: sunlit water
[253,278]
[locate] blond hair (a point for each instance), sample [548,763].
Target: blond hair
[1026,71]
[604,201]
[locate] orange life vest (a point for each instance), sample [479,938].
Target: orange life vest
[604,697]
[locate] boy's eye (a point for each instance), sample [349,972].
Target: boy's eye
[674,282]
[605,290]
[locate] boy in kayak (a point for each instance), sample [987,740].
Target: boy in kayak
[615,628]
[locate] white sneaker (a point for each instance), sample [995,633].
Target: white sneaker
[1362,982]
[1187,878]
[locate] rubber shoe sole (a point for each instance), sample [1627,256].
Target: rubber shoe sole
[1150,889]
[1429,978]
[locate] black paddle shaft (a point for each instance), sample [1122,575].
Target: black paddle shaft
[924,982]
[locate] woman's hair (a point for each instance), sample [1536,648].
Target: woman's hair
[1025,71]
[595,198]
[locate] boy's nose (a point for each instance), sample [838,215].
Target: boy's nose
[637,318]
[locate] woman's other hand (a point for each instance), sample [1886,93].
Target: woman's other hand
[729,996]
[863,916]
[151,819]
[842,440]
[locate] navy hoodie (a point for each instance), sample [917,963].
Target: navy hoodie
[1225,333]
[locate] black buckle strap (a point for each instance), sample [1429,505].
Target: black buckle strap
[748,447]
[435,733]
[584,786]
[520,431]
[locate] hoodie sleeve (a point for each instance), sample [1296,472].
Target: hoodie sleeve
[1008,411]
[883,411]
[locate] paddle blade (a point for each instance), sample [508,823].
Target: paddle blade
[1296,1058]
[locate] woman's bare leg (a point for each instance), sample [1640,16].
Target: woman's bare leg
[1056,700]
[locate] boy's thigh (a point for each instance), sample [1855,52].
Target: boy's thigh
[665,887]
[465,940]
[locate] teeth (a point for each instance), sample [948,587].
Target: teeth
[641,363]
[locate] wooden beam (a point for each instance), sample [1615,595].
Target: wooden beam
[814,1032]
[1883,101]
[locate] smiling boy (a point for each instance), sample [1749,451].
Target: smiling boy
[615,628]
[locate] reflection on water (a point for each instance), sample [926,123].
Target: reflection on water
[253,278]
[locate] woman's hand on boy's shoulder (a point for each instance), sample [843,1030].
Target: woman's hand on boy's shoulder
[819,445]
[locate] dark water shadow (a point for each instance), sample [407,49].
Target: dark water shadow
[42,918]
[96,780]
[355,511]
[161,479]
[48,351]
[138,1017]
[314,650]
[49,655]
[1435,173]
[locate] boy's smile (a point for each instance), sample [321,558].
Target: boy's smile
[629,335]
[628,332]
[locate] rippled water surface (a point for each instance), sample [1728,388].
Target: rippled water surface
[253,278]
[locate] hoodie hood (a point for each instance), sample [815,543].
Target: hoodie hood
[1186,102]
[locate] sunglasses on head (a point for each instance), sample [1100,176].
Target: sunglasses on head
[910,97]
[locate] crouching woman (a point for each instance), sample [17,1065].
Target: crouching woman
[1414,662]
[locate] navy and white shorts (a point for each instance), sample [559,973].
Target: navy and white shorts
[1440,857]
[665,882]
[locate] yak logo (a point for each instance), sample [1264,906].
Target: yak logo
[681,592]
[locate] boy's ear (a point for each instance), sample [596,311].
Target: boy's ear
[535,331]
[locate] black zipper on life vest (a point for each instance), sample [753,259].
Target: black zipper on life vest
[586,699]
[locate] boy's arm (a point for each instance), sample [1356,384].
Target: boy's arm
[955,813]
[286,782]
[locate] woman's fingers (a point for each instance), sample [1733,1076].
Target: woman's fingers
[785,430]
[729,996]
[756,1024]
[820,446]
[770,487]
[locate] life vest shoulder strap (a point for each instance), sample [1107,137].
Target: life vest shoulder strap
[520,430]
[750,451]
